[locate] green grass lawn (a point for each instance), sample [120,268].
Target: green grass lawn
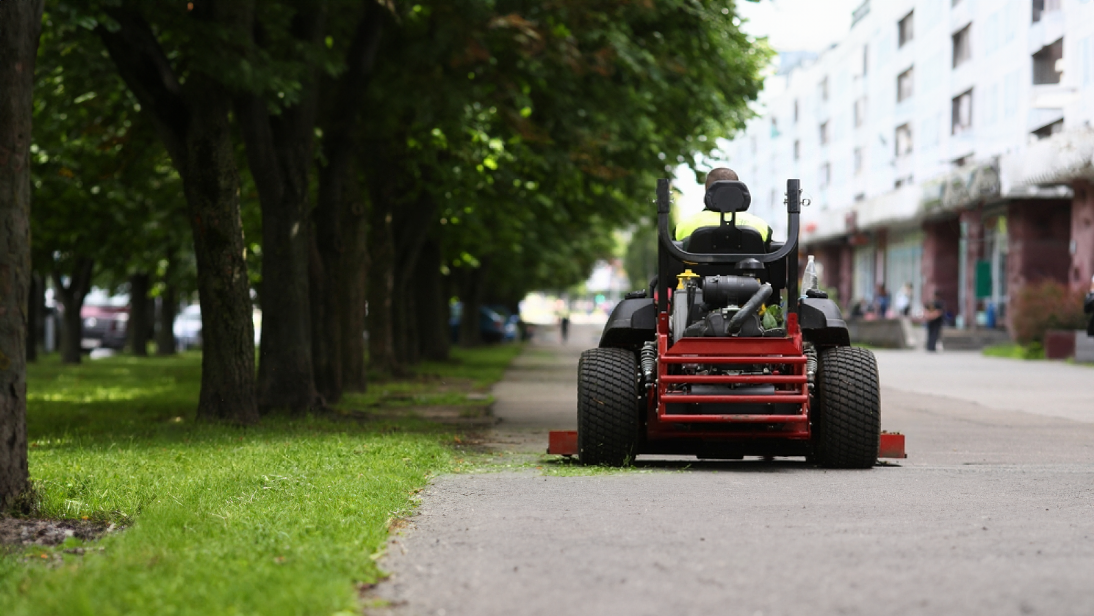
[284,518]
[1013,350]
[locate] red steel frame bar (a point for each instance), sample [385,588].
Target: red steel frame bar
[734,378]
[773,351]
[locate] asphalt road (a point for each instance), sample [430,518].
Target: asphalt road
[992,513]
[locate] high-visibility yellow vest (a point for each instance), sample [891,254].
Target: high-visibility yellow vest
[707,218]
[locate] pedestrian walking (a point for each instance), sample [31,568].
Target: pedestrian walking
[935,315]
[881,302]
[903,302]
[564,326]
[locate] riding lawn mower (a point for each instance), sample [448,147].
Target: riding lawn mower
[722,357]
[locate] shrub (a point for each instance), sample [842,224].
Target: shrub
[1043,306]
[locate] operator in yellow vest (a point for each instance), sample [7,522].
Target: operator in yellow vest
[707,218]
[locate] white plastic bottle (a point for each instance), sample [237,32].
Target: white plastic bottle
[809,278]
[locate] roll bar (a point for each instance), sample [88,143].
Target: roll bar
[793,209]
[788,251]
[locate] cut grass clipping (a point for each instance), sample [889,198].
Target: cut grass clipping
[284,518]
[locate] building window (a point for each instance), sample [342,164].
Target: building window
[825,175]
[904,83]
[752,141]
[1047,63]
[905,33]
[903,140]
[1044,6]
[860,112]
[962,48]
[858,161]
[962,113]
[797,149]
[774,128]
[795,111]
[865,59]
[822,88]
[1048,131]
[824,133]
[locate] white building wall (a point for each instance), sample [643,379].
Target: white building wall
[1007,107]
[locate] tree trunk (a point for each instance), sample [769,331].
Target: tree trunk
[20,24]
[192,119]
[431,304]
[352,292]
[339,147]
[279,151]
[140,318]
[411,226]
[326,330]
[381,287]
[471,291]
[72,298]
[211,184]
[165,334]
[35,304]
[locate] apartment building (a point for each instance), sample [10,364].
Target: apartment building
[945,144]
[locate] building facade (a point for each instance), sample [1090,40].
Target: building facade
[942,144]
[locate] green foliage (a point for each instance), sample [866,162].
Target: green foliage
[540,127]
[1043,306]
[276,519]
[640,258]
[104,187]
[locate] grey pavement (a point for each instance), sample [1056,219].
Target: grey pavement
[992,513]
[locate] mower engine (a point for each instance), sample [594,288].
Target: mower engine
[721,307]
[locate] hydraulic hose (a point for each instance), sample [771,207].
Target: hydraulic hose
[751,306]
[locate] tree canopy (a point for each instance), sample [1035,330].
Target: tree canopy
[386,154]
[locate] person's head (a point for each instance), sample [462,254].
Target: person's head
[719,174]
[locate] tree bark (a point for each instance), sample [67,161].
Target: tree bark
[352,294]
[431,304]
[20,25]
[72,298]
[140,318]
[35,305]
[381,288]
[279,150]
[411,227]
[193,122]
[211,184]
[326,330]
[471,291]
[339,147]
[165,334]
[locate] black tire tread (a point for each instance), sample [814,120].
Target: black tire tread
[847,429]
[608,421]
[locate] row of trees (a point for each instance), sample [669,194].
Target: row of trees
[335,154]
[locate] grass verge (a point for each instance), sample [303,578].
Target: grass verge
[278,519]
[1013,350]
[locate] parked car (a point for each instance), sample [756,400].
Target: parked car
[104,327]
[187,328]
[491,324]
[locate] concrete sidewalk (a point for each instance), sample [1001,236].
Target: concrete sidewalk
[1049,388]
[991,514]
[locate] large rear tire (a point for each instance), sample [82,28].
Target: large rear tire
[608,419]
[847,409]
